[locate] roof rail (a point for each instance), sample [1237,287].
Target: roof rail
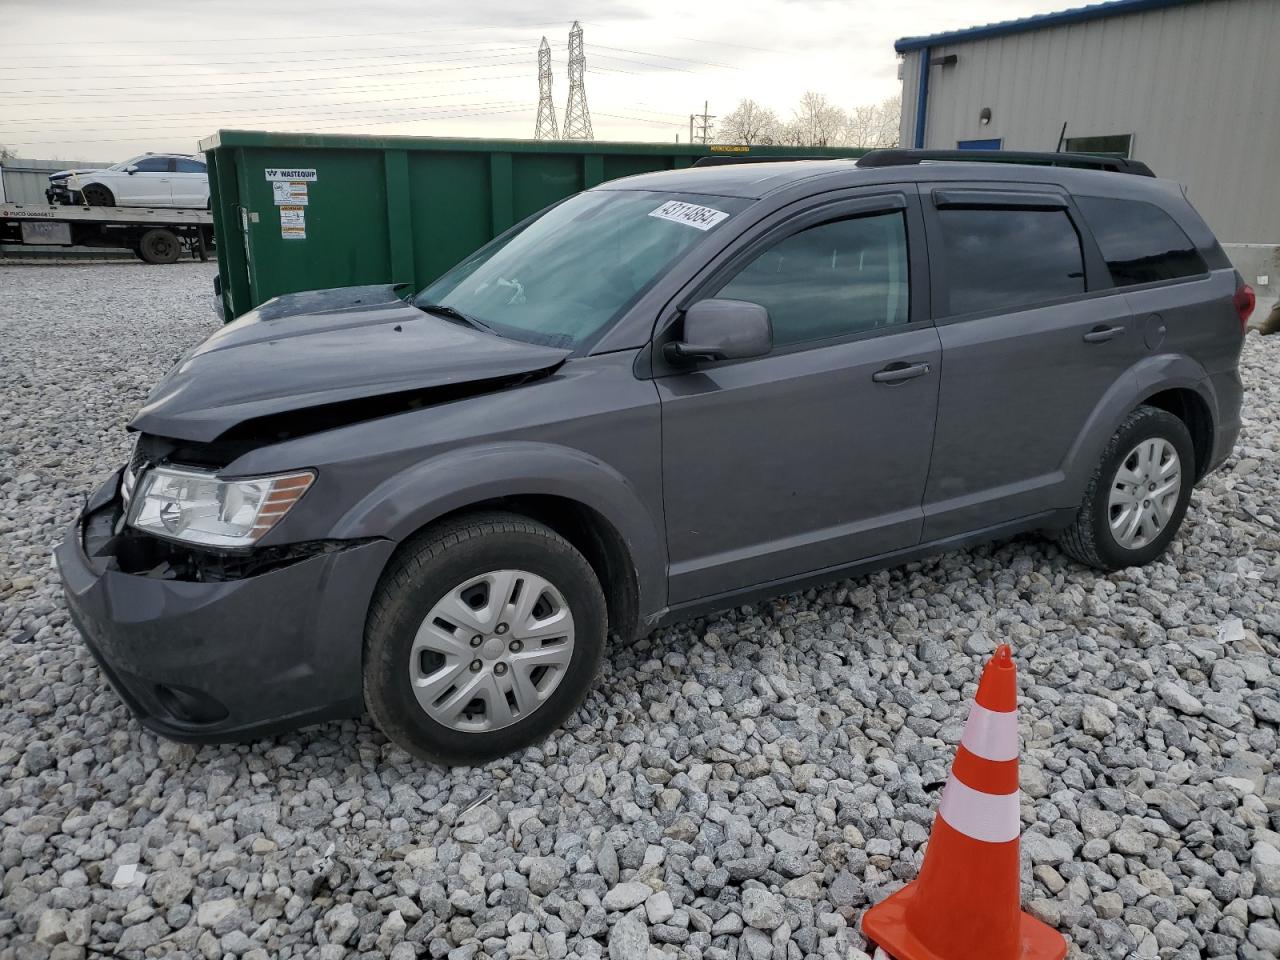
[1088,161]
[719,160]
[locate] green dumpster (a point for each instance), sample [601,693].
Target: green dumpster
[296,211]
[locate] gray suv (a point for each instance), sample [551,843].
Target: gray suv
[669,394]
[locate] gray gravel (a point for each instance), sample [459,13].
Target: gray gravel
[740,787]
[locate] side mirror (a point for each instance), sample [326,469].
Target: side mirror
[722,330]
[131,169]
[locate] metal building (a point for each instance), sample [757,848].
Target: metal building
[1191,87]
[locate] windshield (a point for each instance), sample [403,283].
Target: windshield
[572,271]
[126,163]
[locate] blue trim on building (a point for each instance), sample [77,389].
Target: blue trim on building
[1095,11]
[922,98]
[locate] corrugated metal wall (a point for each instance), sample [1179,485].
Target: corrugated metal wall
[25,180]
[1197,85]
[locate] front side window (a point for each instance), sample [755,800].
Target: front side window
[152,165]
[1140,242]
[1007,258]
[577,267]
[833,280]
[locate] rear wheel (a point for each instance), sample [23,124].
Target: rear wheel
[1138,495]
[159,246]
[484,635]
[96,195]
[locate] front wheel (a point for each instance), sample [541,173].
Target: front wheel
[1138,495]
[96,195]
[484,635]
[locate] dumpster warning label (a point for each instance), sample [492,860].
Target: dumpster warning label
[289,194]
[690,214]
[293,174]
[293,223]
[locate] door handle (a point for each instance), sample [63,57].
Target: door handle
[900,372]
[1102,334]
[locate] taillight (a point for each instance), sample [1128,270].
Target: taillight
[1245,301]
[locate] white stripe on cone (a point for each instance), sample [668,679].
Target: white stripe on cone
[990,817]
[990,734]
[881,955]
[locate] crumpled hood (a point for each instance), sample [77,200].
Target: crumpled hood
[323,347]
[78,171]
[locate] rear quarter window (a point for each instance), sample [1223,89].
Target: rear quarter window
[1140,242]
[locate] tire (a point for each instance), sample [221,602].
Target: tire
[96,195]
[159,246]
[424,574]
[1091,538]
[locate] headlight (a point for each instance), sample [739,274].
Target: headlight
[197,507]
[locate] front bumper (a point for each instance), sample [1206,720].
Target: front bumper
[226,660]
[62,194]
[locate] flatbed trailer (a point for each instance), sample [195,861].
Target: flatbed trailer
[154,234]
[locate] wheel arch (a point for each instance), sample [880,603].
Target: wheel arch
[1172,382]
[1193,410]
[584,500]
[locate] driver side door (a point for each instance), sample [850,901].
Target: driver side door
[816,454]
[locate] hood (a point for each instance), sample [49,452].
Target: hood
[324,348]
[64,174]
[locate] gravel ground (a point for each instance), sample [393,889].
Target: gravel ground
[740,787]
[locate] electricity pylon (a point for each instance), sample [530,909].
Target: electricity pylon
[577,117]
[546,129]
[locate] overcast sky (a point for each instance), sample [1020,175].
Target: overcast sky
[99,80]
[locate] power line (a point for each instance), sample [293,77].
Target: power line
[168,41]
[517,108]
[93,81]
[502,58]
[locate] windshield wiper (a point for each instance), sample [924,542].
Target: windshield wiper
[456,315]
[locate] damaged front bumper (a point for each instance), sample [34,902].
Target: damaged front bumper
[211,648]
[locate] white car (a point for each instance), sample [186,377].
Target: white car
[151,180]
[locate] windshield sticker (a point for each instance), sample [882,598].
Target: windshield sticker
[690,214]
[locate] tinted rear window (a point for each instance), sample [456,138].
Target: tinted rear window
[998,259]
[1140,242]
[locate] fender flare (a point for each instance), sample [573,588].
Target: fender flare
[1147,377]
[406,502]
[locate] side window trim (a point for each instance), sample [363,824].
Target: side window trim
[1038,196]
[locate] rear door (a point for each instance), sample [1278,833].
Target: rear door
[1033,335]
[816,454]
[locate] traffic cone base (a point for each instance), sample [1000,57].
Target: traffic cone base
[886,926]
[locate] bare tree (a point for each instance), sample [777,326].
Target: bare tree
[6,153]
[749,122]
[819,122]
[874,125]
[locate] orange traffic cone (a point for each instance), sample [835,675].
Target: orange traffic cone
[965,903]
